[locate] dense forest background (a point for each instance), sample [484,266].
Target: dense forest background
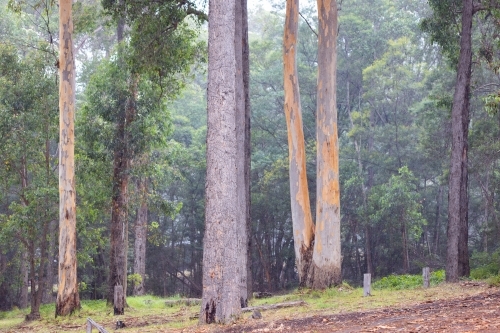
[394,96]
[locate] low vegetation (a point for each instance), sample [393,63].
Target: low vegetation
[152,314]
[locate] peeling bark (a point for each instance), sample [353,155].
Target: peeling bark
[68,299]
[326,266]
[303,228]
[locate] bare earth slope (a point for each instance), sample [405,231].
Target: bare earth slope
[478,313]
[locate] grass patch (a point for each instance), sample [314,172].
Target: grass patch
[150,314]
[400,282]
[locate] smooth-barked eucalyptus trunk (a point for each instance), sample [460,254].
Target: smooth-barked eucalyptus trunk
[325,269]
[68,299]
[303,228]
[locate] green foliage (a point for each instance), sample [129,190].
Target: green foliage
[444,26]
[134,279]
[484,265]
[399,282]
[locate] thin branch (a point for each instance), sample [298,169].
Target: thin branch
[308,24]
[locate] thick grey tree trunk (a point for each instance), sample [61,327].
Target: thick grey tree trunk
[457,257]
[225,223]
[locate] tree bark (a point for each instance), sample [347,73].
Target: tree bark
[68,299]
[24,272]
[141,228]
[303,228]
[326,261]
[121,169]
[225,223]
[457,257]
[248,148]
[241,150]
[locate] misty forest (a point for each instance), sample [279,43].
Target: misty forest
[216,150]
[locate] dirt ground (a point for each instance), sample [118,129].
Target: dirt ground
[478,313]
[477,309]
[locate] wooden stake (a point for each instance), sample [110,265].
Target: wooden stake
[426,276]
[367,284]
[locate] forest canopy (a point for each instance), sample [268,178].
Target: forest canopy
[142,92]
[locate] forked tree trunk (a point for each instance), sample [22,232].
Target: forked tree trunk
[326,261]
[141,228]
[68,299]
[303,228]
[457,259]
[225,223]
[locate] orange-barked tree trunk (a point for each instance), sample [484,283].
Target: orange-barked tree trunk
[303,228]
[68,299]
[326,261]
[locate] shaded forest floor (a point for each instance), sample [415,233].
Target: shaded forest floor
[464,307]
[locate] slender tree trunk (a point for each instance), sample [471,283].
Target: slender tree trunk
[49,283]
[141,228]
[248,148]
[437,226]
[68,299]
[225,223]
[37,274]
[327,261]
[457,258]
[24,272]
[303,227]
[241,150]
[121,169]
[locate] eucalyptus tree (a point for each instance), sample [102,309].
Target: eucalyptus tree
[322,267]
[68,299]
[225,241]
[161,45]
[451,26]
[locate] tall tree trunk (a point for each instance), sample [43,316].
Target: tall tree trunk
[327,261]
[248,148]
[241,150]
[141,228]
[68,299]
[224,222]
[457,257]
[303,228]
[121,169]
